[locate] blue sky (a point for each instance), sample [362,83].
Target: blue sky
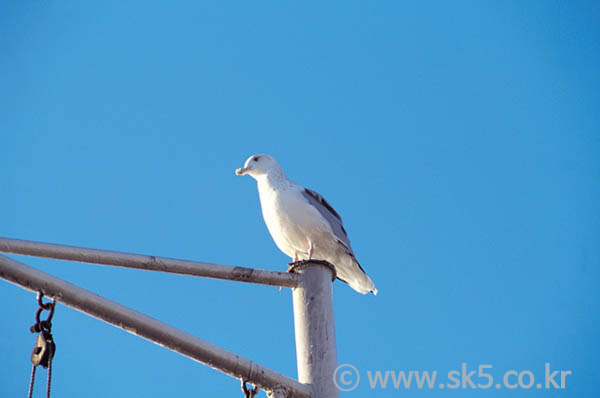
[459,141]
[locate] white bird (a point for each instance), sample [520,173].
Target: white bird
[302,223]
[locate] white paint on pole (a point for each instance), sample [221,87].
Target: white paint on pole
[314,325]
[150,263]
[151,329]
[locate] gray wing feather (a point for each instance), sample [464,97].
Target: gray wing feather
[331,216]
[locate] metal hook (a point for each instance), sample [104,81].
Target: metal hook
[248,393]
[46,324]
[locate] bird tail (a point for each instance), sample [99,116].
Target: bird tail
[356,277]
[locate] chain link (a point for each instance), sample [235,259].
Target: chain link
[249,393]
[44,327]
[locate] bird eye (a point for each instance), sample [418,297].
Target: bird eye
[256,158]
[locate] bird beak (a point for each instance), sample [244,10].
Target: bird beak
[241,171]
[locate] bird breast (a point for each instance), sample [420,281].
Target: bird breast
[291,221]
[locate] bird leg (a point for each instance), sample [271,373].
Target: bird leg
[291,265]
[296,256]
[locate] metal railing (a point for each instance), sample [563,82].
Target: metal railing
[312,299]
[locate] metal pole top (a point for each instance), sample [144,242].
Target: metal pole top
[298,266]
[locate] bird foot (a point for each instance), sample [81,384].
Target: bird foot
[293,266]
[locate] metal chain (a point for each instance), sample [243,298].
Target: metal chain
[44,327]
[248,393]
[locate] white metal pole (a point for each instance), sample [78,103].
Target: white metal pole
[150,329]
[315,329]
[151,263]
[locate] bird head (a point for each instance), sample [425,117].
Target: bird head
[259,165]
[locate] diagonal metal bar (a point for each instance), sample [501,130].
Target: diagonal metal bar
[150,263]
[149,328]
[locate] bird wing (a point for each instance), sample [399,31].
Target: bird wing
[331,217]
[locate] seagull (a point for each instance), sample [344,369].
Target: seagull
[302,223]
